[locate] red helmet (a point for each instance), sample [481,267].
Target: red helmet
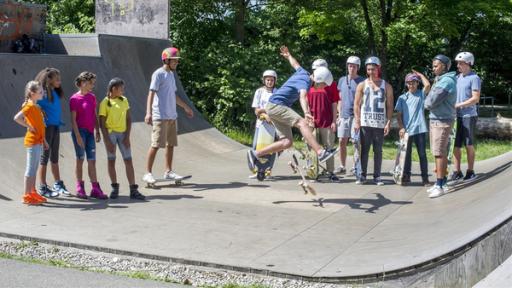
[170,53]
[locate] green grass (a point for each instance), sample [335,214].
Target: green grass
[485,148]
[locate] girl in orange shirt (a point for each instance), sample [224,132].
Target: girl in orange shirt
[31,117]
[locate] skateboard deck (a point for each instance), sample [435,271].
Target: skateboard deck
[451,146]
[303,183]
[264,135]
[356,141]
[161,180]
[401,150]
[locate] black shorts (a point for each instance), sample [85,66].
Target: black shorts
[53,138]
[465,134]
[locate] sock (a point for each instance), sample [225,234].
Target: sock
[439,182]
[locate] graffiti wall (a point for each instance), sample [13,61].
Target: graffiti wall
[18,19]
[139,18]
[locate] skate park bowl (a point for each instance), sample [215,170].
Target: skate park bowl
[389,236]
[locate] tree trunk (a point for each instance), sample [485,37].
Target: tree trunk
[496,127]
[369,26]
[240,7]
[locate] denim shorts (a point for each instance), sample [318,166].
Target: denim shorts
[117,139]
[89,143]
[33,156]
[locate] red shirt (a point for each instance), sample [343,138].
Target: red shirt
[320,104]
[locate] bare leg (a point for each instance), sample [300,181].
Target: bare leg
[306,132]
[78,170]
[42,174]
[55,172]
[169,153]
[277,146]
[112,170]
[343,151]
[30,184]
[456,158]
[441,163]
[91,168]
[151,159]
[470,150]
[130,174]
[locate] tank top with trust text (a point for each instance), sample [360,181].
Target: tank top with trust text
[373,110]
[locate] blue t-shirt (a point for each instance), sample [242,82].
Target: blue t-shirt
[163,84]
[290,91]
[411,107]
[52,110]
[465,86]
[348,92]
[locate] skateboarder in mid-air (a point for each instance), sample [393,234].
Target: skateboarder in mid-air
[284,118]
[411,120]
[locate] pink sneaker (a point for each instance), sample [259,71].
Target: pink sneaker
[80,191]
[96,191]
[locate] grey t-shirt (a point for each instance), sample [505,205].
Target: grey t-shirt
[164,102]
[348,91]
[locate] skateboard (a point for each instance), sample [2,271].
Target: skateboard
[160,180]
[356,141]
[303,183]
[451,147]
[401,150]
[264,135]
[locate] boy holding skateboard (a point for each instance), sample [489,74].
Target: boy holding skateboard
[411,120]
[284,118]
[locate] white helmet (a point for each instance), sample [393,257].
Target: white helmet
[372,60]
[354,60]
[466,57]
[322,74]
[319,63]
[270,73]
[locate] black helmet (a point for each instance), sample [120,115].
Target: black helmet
[445,60]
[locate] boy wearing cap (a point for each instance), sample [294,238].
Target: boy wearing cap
[161,114]
[411,120]
[284,118]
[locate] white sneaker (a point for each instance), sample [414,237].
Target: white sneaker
[436,191]
[340,170]
[361,181]
[378,181]
[253,176]
[171,175]
[148,178]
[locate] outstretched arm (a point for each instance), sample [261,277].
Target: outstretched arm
[424,81]
[286,54]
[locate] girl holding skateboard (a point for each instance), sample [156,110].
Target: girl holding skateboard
[83,122]
[31,117]
[115,123]
[51,104]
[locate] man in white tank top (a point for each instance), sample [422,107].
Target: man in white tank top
[373,110]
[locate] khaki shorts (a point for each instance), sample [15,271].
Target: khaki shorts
[439,136]
[164,133]
[284,118]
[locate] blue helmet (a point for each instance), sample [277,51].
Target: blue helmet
[444,59]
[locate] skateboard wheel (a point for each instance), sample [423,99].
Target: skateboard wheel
[178,183]
[260,176]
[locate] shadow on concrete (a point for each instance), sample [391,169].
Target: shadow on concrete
[230,185]
[2,197]
[84,205]
[480,177]
[367,205]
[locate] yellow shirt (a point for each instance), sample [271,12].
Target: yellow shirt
[115,114]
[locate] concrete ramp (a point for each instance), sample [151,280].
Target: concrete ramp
[390,236]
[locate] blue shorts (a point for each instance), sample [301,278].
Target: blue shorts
[117,139]
[89,143]
[33,156]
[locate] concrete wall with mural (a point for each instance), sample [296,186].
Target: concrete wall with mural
[139,18]
[17,19]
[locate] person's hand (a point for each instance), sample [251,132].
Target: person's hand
[111,148]
[416,72]
[310,120]
[333,127]
[31,129]
[45,145]
[357,125]
[148,119]
[284,51]
[386,129]
[126,142]
[401,133]
[189,112]
[98,137]
[267,118]
[80,142]
[458,105]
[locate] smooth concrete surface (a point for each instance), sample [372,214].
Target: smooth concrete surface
[499,278]
[20,274]
[220,217]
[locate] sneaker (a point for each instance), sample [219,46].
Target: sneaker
[148,178]
[115,191]
[457,175]
[470,174]
[361,181]
[426,183]
[135,194]
[325,155]
[436,191]
[377,181]
[340,170]
[80,190]
[333,178]
[253,176]
[36,196]
[96,191]
[406,179]
[30,200]
[60,188]
[171,175]
[45,191]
